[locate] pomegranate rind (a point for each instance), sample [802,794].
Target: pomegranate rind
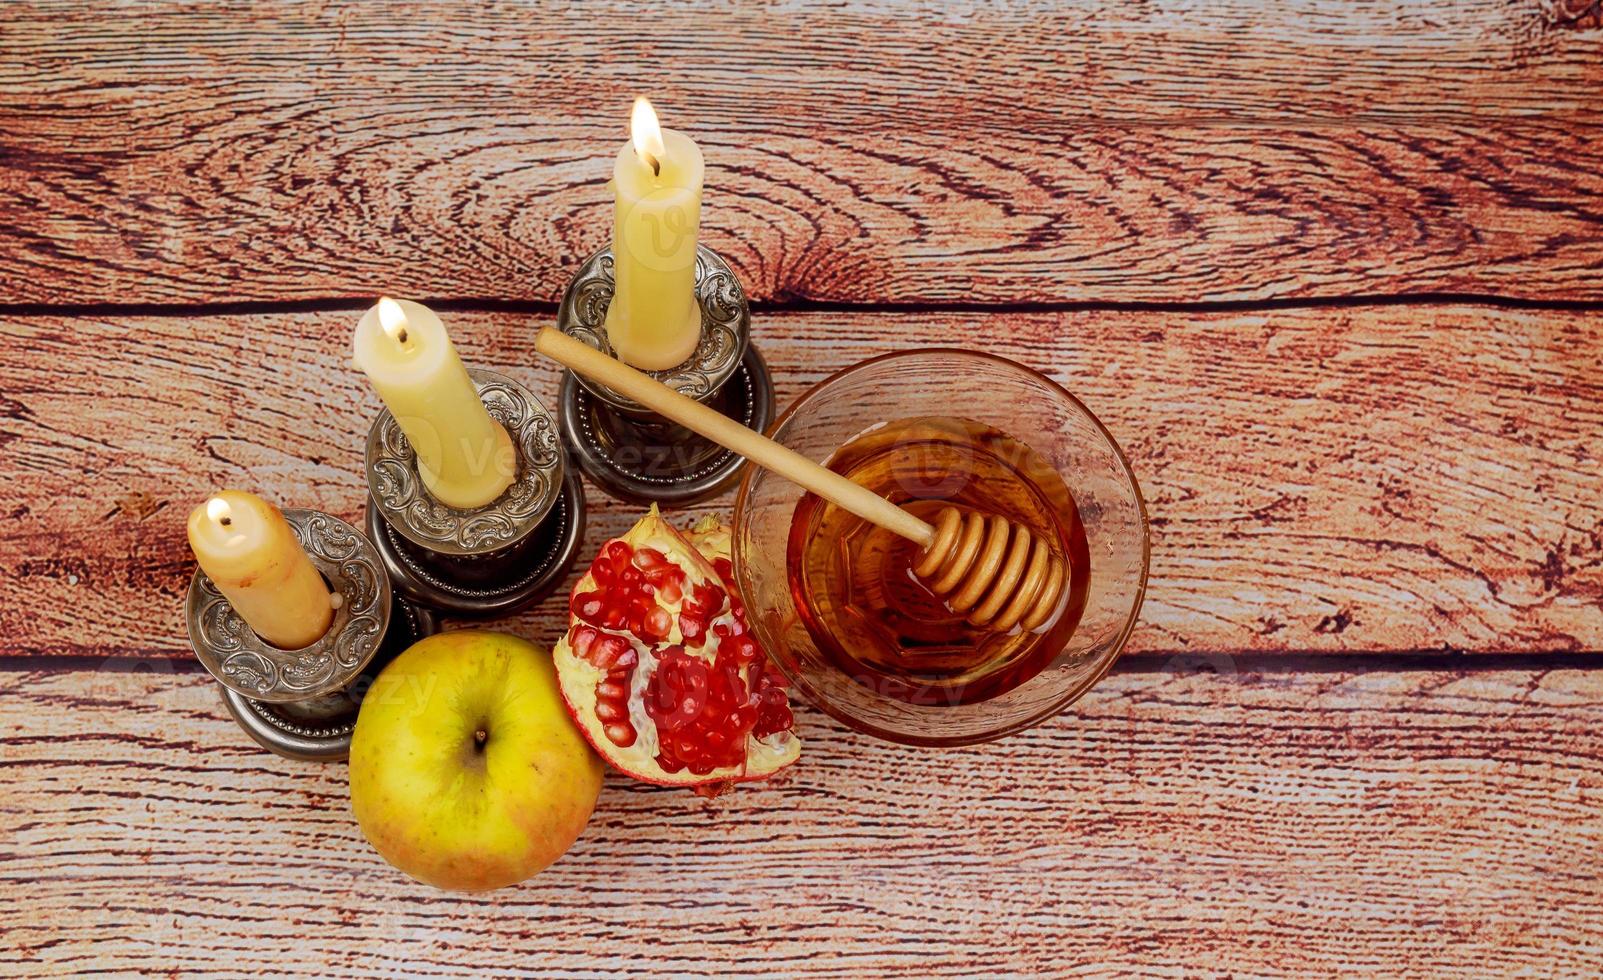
[577,677]
[712,538]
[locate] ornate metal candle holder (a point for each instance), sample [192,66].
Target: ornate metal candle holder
[302,703]
[634,454]
[491,560]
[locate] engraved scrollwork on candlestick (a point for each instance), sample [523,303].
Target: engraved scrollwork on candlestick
[489,560]
[725,326]
[248,665]
[630,452]
[397,488]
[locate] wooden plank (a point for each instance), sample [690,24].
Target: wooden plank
[880,153]
[1248,824]
[1371,479]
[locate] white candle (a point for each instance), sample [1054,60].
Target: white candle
[249,551]
[654,321]
[465,457]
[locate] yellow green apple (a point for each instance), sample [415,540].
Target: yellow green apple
[466,771]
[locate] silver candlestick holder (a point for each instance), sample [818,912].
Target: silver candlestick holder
[490,560]
[627,450]
[302,703]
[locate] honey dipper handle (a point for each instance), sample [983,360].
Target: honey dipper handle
[726,432]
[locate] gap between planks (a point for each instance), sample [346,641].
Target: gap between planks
[482,304]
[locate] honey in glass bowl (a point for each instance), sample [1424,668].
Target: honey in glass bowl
[853,584]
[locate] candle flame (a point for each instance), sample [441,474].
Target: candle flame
[646,133]
[217,509]
[393,319]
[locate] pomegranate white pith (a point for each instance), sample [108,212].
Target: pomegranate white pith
[659,670]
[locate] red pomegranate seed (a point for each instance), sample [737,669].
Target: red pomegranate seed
[742,648]
[611,653]
[659,622]
[693,630]
[589,606]
[614,614]
[650,560]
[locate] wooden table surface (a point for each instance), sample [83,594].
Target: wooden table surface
[1331,273]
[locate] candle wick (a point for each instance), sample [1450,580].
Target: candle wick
[227,522]
[401,335]
[656,165]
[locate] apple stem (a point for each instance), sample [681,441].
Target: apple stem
[480,737]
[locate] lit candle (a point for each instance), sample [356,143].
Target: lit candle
[465,457]
[251,554]
[654,321]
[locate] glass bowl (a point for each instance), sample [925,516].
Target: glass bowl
[983,388]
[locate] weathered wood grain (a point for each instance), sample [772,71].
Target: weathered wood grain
[1247,824]
[881,152]
[1386,478]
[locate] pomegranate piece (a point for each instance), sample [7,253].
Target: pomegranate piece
[659,669]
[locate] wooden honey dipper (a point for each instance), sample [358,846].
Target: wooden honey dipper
[1000,573]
